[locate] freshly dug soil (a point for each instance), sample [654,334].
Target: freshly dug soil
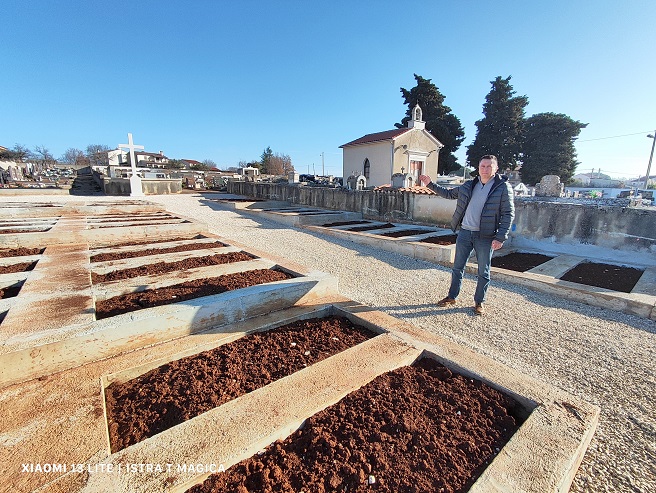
[9,291]
[407,232]
[182,389]
[22,267]
[609,276]
[440,240]
[31,230]
[418,429]
[178,265]
[130,218]
[103,257]
[520,262]
[367,228]
[148,242]
[20,252]
[186,291]
[103,225]
[343,223]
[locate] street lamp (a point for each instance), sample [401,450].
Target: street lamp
[651,156]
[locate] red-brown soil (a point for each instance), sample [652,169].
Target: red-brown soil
[103,257]
[440,240]
[367,228]
[520,262]
[186,291]
[418,429]
[30,230]
[407,232]
[182,389]
[616,277]
[151,241]
[22,267]
[103,226]
[343,223]
[20,252]
[131,219]
[178,265]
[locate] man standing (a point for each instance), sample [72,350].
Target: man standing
[484,213]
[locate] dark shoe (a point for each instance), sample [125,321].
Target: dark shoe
[478,309]
[446,301]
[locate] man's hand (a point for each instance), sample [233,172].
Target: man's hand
[496,244]
[424,180]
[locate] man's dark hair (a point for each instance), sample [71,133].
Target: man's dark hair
[491,157]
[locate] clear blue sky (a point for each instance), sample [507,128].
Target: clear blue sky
[223,80]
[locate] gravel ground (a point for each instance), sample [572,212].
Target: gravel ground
[604,357]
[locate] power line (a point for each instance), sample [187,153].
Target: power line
[614,136]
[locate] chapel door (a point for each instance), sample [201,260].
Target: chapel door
[416,169]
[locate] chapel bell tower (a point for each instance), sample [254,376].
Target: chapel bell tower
[416,121]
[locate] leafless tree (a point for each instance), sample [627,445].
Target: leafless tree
[73,156]
[280,164]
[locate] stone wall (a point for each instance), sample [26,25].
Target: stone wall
[121,186]
[558,221]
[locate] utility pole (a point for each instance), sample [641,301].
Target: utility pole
[323,171]
[651,156]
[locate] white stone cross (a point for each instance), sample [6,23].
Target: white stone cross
[131,147]
[135,180]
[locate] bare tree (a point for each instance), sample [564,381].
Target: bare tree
[21,153]
[209,163]
[280,164]
[97,154]
[73,156]
[43,156]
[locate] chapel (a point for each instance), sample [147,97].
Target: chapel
[378,156]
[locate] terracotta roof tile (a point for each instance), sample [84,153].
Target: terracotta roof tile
[377,137]
[415,189]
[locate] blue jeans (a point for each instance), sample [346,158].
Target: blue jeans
[466,242]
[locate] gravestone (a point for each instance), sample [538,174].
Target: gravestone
[549,186]
[402,180]
[356,182]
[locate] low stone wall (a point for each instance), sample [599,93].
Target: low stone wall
[121,186]
[559,221]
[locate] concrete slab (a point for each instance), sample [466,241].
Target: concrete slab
[541,457]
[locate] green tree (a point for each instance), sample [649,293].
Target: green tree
[175,164]
[549,147]
[265,160]
[500,131]
[440,122]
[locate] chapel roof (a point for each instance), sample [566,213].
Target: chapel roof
[378,137]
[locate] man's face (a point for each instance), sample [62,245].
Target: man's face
[487,168]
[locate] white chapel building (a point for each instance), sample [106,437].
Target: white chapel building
[380,155]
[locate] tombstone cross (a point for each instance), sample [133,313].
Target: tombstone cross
[135,180]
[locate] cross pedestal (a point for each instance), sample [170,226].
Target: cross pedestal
[135,180]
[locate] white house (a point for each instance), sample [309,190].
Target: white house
[380,155]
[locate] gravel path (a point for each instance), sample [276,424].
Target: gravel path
[605,357]
[602,356]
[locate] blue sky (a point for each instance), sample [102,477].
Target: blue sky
[223,80]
